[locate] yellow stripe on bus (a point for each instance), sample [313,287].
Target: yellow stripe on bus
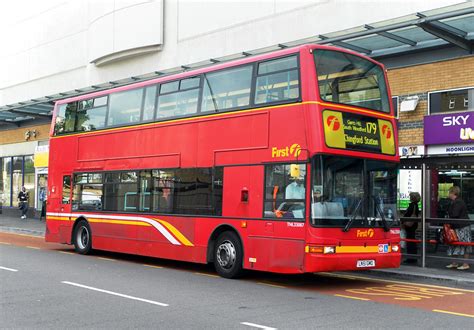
[57,218]
[120,222]
[175,232]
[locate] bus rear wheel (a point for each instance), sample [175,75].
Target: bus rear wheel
[228,255]
[82,238]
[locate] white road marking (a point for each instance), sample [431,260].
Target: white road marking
[9,269]
[115,293]
[257,326]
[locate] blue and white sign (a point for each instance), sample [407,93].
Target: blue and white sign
[450,149]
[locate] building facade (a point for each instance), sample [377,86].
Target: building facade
[435,130]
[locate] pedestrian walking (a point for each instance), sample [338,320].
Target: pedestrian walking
[410,226]
[23,202]
[42,199]
[458,210]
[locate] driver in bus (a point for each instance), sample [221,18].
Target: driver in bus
[296,189]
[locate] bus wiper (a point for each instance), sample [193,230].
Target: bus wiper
[353,216]
[386,227]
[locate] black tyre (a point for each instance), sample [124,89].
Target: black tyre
[82,238]
[228,255]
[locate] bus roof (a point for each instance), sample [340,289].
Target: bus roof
[211,68]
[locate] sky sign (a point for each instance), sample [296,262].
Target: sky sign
[450,128]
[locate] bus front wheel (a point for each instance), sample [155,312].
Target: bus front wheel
[228,255]
[82,238]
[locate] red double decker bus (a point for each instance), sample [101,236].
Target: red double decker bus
[283,162]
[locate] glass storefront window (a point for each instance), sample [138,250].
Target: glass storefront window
[42,188]
[29,179]
[16,172]
[5,186]
[442,180]
[17,178]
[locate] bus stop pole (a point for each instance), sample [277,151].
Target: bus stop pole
[423,215]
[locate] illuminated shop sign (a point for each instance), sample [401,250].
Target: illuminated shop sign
[449,128]
[356,132]
[455,149]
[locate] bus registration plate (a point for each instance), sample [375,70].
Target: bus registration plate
[365,263]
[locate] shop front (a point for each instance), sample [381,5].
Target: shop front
[23,164]
[445,160]
[449,139]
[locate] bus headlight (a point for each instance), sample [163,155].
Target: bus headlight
[395,248]
[320,249]
[329,249]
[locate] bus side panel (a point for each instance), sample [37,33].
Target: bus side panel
[231,140]
[237,181]
[113,237]
[171,237]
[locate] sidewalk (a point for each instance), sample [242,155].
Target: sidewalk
[29,226]
[440,276]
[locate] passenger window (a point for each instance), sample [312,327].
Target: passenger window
[125,107]
[285,191]
[178,104]
[90,119]
[277,80]
[87,194]
[86,104]
[163,190]
[169,87]
[190,83]
[121,191]
[227,89]
[149,104]
[187,191]
[66,118]
[66,189]
[100,101]
[145,192]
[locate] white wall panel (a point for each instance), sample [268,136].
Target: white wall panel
[128,26]
[100,39]
[58,56]
[97,9]
[138,26]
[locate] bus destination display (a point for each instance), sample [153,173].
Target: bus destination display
[356,132]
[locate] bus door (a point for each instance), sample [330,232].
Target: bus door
[284,213]
[65,198]
[66,191]
[289,206]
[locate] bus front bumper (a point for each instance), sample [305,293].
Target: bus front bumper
[356,261]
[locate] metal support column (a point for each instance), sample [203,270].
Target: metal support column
[423,215]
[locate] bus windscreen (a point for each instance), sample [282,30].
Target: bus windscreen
[352,80]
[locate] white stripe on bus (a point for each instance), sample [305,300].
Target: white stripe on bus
[158,226]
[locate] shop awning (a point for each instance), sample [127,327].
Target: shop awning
[442,27]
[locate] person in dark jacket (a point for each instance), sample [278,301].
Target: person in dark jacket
[410,226]
[23,202]
[458,210]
